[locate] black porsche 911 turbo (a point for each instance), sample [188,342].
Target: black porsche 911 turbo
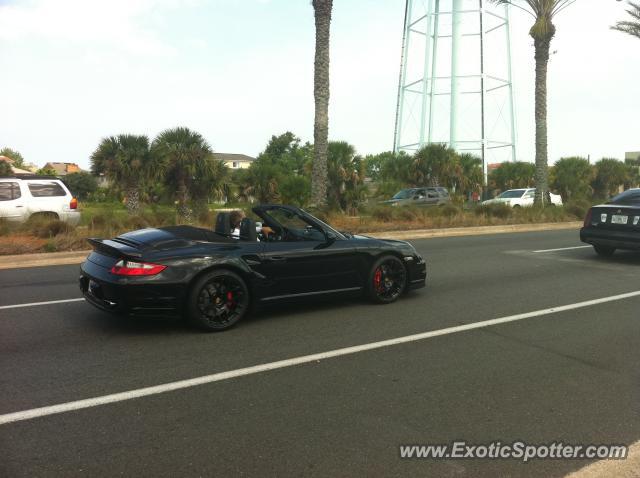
[213,279]
[614,225]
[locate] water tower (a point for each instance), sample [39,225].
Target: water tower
[455,79]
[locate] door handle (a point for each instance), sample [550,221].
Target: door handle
[19,206]
[277,258]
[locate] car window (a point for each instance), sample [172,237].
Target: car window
[9,191]
[443,191]
[404,194]
[632,196]
[512,193]
[529,194]
[39,190]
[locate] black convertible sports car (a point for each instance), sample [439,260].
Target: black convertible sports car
[212,278]
[614,225]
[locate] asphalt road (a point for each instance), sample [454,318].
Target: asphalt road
[569,376]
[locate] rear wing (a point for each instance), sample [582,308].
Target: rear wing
[115,248]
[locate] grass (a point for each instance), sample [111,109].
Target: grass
[110,219]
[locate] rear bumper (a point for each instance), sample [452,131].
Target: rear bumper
[70,217]
[102,290]
[617,239]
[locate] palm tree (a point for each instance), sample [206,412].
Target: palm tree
[471,177]
[322,14]
[126,161]
[185,155]
[542,32]
[436,165]
[632,27]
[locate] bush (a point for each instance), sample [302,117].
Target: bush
[577,208]
[47,229]
[382,213]
[406,213]
[81,184]
[501,211]
[136,222]
[449,210]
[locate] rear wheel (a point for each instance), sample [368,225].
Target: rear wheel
[387,280]
[604,251]
[218,300]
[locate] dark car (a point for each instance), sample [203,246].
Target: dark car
[428,196]
[614,225]
[213,279]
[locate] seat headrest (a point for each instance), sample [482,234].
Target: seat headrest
[248,230]
[223,224]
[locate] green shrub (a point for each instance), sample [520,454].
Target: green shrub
[5,227]
[577,208]
[52,228]
[382,213]
[501,211]
[449,210]
[406,213]
[136,222]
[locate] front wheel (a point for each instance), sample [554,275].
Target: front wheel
[218,300]
[604,251]
[387,280]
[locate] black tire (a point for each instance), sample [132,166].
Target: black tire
[218,300]
[604,251]
[387,280]
[516,206]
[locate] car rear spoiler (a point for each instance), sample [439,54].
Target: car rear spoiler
[115,248]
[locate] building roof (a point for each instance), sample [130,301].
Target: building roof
[228,157]
[63,168]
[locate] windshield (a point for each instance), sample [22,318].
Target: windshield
[404,194]
[512,193]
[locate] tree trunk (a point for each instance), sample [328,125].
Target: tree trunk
[133,200]
[542,171]
[322,12]
[184,211]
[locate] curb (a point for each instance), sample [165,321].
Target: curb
[76,257]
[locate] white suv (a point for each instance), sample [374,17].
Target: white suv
[24,196]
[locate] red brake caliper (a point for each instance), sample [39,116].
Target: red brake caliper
[230,302]
[377,279]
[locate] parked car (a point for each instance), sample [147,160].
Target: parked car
[25,196]
[427,196]
[614,225]
[213,279]
[521,198]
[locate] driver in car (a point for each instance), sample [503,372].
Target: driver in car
[236,217]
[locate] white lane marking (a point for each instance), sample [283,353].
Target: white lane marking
[33,304]
[217,377]
[562,249]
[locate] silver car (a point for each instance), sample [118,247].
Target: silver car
[427,196]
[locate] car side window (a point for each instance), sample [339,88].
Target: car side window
[529,195]
[39,190]
[9,191]
[432,193]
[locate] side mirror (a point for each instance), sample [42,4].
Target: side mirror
[330,237]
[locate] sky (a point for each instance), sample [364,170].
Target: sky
[239,71]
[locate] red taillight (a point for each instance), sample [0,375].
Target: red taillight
[587,219]
[130,268]
[73,204]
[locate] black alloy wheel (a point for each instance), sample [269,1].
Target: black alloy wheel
[387,280]
[218,300]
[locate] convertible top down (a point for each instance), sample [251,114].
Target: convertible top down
[213,279]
